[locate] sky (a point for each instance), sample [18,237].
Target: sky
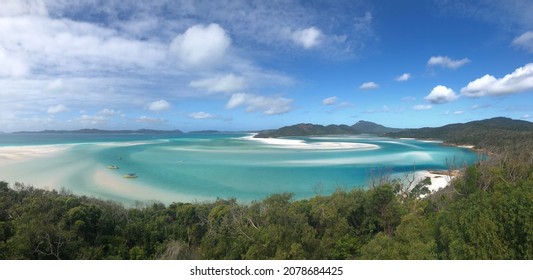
[251,65]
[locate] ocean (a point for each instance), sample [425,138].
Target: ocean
[204,167]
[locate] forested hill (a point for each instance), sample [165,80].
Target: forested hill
[490,133]
[306,129]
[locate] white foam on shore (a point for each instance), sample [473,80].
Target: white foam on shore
[301,144]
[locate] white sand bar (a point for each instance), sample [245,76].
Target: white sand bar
[14,154]
[301,144]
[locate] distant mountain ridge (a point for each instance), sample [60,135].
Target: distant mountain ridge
[102,131]
[307,129]
[370,127]
[488,133]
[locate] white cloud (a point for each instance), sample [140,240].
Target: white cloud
[57,109]
[201,46]
[444,61]
[201,115]
[55,84]
[160,105]
[441,94]
[12,65]
[422,107]
[308,37]
[403,77]
[459,112]
[369,85]
[108,112]
[101,117]
[20,7]
[525,41]
[526,116]
[149,120]
[226,84]
[269,105]
[330,100]
[70,46]
[519,81]
[87,119]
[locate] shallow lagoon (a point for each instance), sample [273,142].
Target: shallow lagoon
[197,167]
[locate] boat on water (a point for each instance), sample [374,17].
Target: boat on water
[130,175]
[112,167]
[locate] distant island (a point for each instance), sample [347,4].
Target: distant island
[101,131]
[204,132]
[307,129]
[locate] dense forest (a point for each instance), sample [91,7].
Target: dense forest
[487,213]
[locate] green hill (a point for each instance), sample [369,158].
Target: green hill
[490,133]
[306,129]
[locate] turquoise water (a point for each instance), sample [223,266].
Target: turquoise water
[202,167]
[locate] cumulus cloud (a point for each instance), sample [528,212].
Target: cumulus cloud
[403,77]
[149,120]
[70,46]
[525,41]
[160,105]
[101,117]
[226,84]
[330,100]
[201,115]
[57,109]
[441,94]
[308,37]
[108,112]
[519,81]
[201,45]
[422,107]
[269,105]
[369,85]
[444,61]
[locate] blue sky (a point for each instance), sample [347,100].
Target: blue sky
[245,65]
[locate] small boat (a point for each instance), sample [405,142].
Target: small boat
[130,175]
[112,167]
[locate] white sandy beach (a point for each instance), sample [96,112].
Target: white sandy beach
[438,181]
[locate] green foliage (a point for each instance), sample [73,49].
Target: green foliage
[492,134]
